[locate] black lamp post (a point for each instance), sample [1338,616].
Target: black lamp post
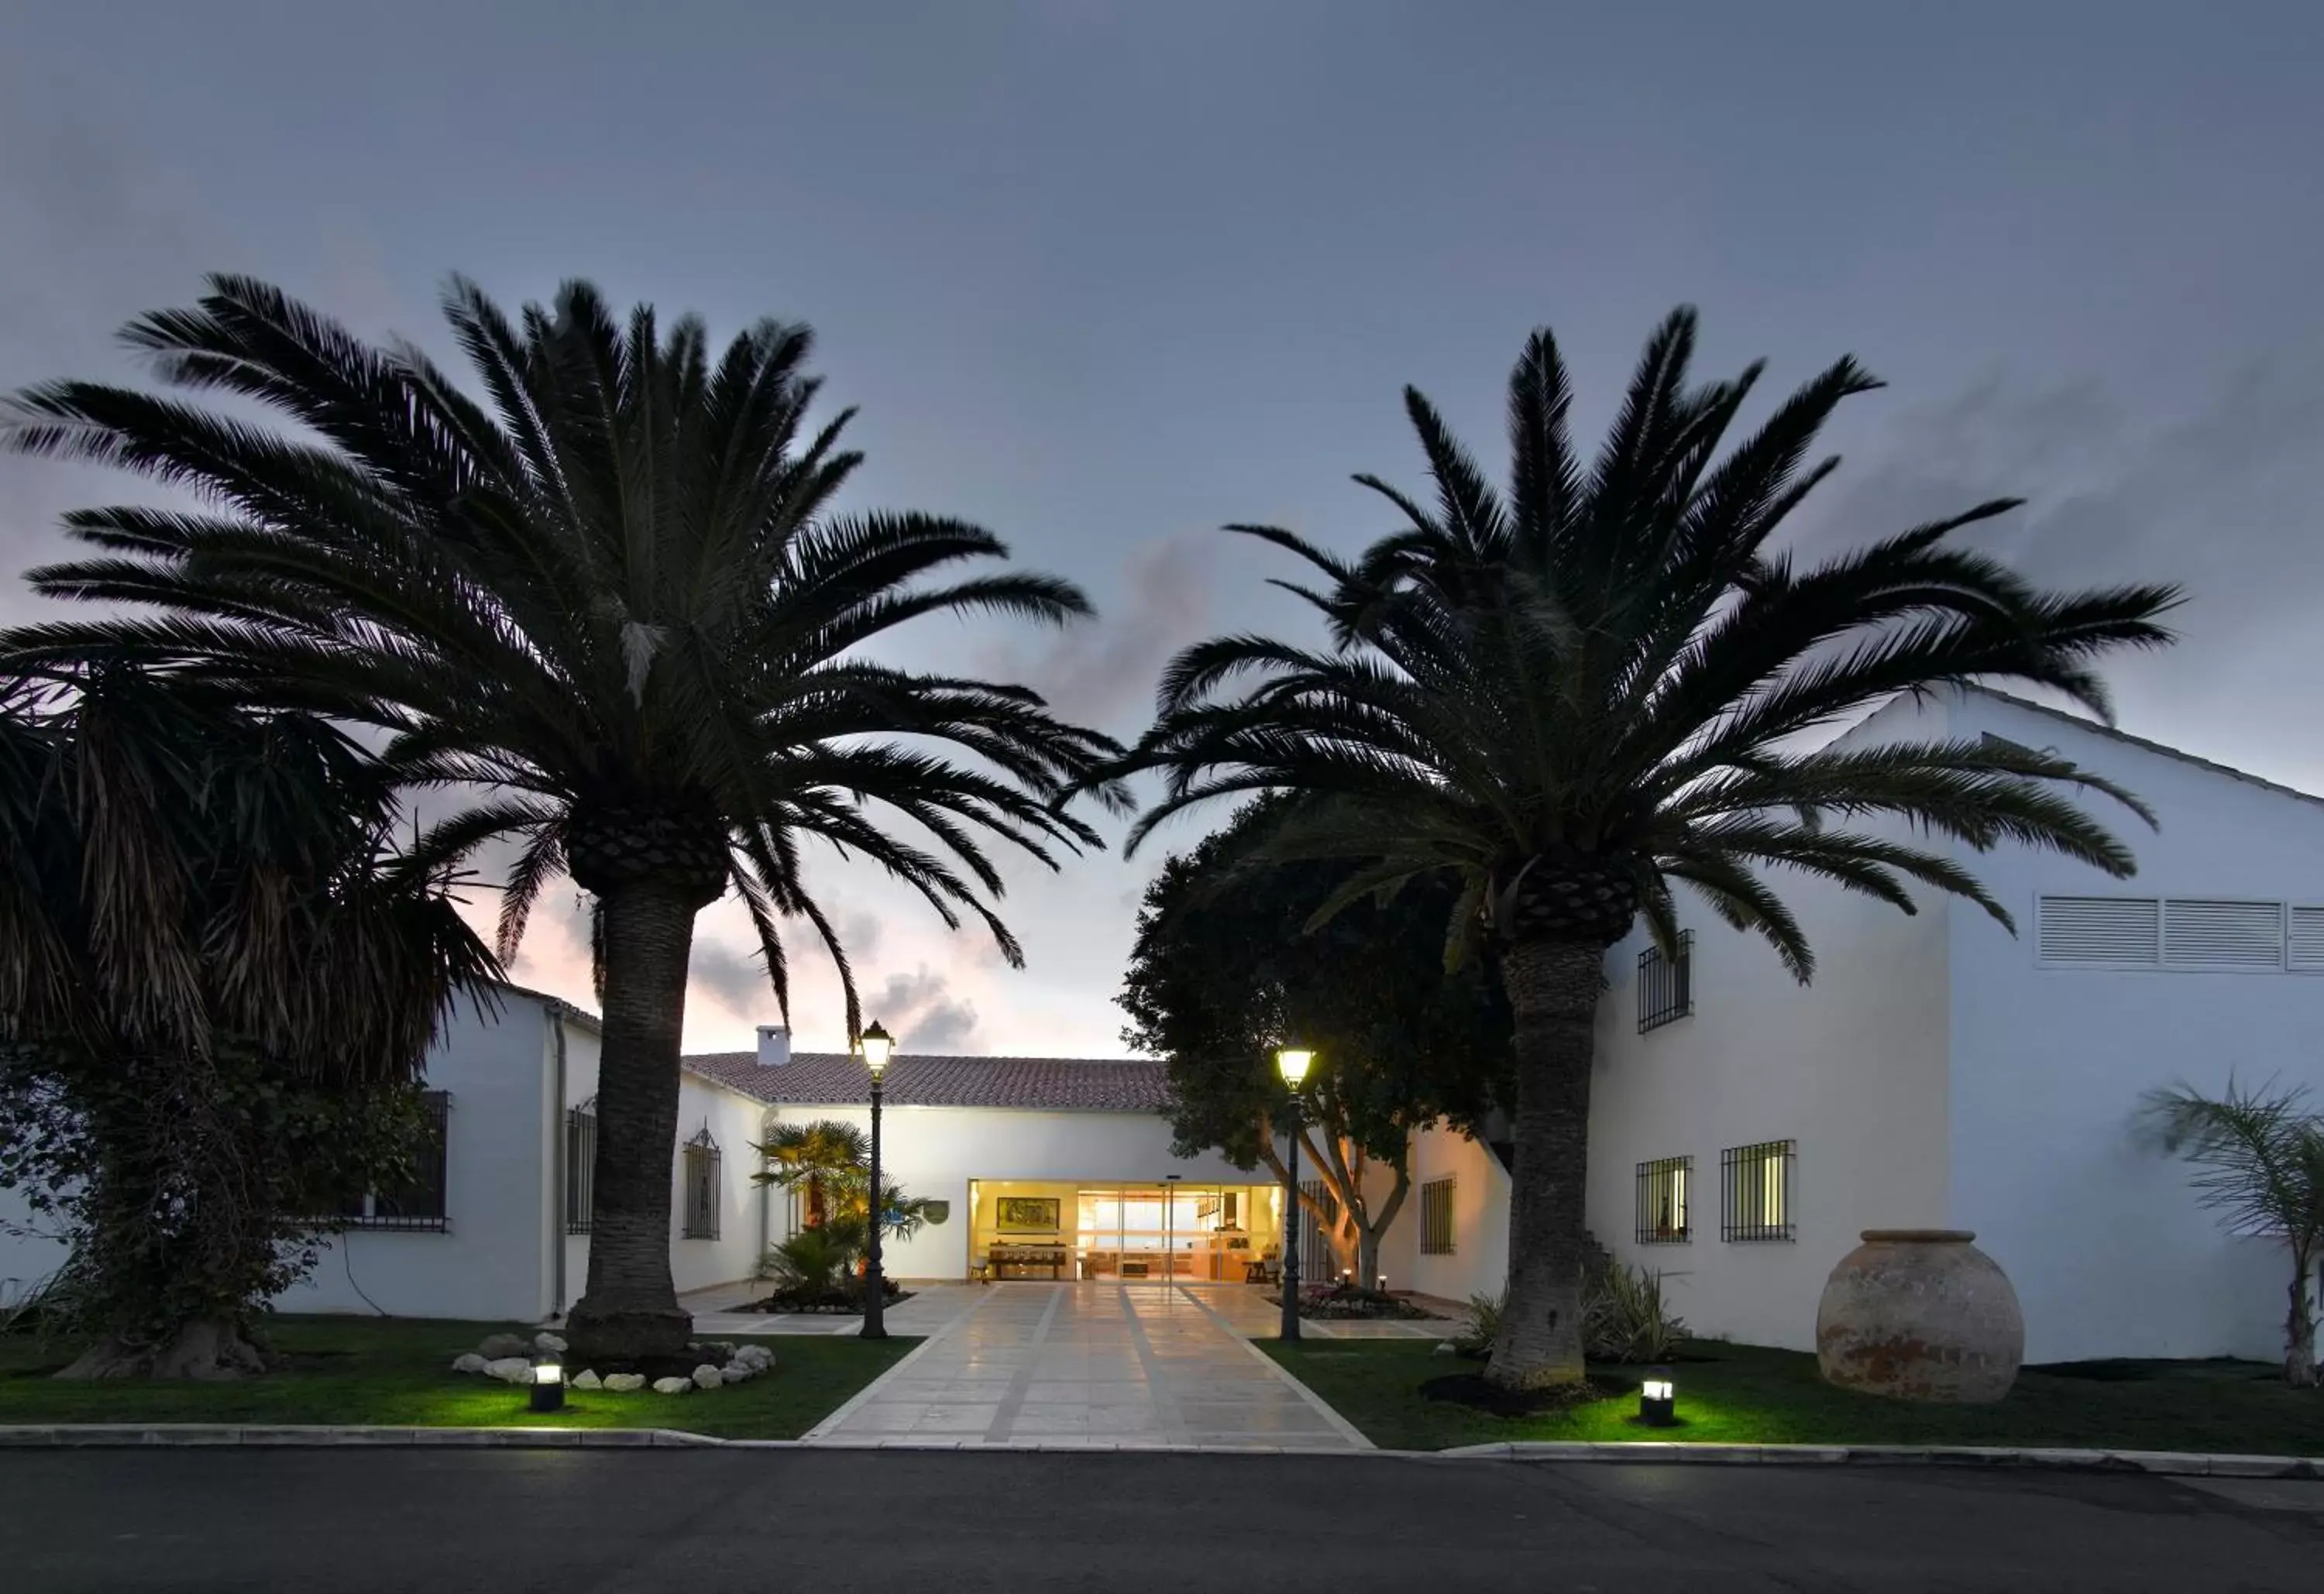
[877,1047]
[1293,1064]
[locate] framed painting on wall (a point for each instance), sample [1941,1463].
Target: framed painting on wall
[1024,1215]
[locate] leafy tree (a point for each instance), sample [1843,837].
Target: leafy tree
[217,983]
[1226,968]
[609,606]
[1571,695]
[2260,1157]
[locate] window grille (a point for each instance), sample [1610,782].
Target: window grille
[1665,984]
[1437,1218]
[419,1204]
[703,1186]
[1755,1199]
[1662,1201]
[580,1167]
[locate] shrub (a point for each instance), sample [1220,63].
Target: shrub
[1624,1317]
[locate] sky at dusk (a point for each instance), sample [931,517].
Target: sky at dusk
[1102,277]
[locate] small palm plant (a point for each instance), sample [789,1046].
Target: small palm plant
[2259,1156]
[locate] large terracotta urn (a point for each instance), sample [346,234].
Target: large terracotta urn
[1920,1315]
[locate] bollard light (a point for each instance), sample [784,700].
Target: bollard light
[547,1385]
[1657,1403]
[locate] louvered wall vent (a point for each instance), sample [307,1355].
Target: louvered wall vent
[2307,940]
[2106,931]
[2204,935]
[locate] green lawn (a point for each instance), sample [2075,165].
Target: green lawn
[396,1372]
[1751,1396]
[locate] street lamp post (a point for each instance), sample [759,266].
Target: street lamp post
[1293,1064]
[877,1047]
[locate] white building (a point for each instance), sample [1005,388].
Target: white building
[1941,1074]
[1938,1073]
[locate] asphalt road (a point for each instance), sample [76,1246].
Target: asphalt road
[578,1523]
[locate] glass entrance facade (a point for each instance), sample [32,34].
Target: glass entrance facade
[1193,1233]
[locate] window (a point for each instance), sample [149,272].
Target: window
[1665,984]
[580,1167]
[1437,1218]
[1662,1201]
[703,1186]
[1755,1196]
[417,1203]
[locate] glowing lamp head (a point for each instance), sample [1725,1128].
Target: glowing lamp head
[1292,1063]
[547,1385]
[1657,1400]
[877,1047]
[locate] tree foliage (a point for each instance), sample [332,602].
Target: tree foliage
[1227,967]
[219,979]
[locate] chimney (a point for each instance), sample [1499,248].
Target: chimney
[774,1045]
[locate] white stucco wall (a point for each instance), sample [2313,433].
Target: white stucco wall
[734,1121]
[2108,1252]
[491,1260]
[936,1151]
[1480,1260]
[1853,1068]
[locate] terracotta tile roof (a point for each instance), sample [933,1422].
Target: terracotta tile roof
[1055,1084]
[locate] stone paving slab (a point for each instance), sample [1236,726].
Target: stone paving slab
[1090,1364]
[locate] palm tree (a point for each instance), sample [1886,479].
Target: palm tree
[610,605]
[2260,1157]
[217,980]
[1578,693]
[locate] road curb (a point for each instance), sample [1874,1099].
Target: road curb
[1632,1453]
[291,1436]
[2159,1463]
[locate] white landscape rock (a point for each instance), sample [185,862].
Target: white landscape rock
[735,1372]
[500,1347]
[623,1383]
[585,1379]
[468,1362]
[672,1386]
[510,1369]
[757,1358]
[706,1376]
[548,1344]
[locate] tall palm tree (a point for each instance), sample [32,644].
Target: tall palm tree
[610,603]
[2260,1160]
[215,969]
[1602,682]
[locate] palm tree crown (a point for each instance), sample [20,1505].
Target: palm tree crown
[1598,684]
[612,595]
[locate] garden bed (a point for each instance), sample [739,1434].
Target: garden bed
[397,1372]
[1750,1395]
[836,1302]
[1345,1302]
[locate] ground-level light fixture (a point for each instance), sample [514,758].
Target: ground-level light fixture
[548,1385]
[1657,1403]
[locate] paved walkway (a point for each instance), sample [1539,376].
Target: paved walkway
[1100,1365]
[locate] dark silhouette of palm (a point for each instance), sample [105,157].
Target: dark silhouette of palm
[1598,684]
[610,605]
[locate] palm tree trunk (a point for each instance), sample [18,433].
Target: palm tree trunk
[630,1309]
[2300,1328]
[1553,991]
